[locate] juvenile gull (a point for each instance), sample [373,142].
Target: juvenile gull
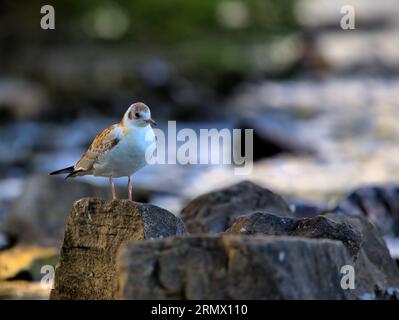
[118,151]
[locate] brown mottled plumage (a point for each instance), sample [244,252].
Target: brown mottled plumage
[119,150]
[103,142]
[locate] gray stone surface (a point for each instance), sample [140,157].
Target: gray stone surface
[374,267]
[319,227]
[376,271]
[215,211]
[380,204]
[94,232]
[233,267]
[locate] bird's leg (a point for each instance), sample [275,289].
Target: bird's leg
[111,182]
[129,188]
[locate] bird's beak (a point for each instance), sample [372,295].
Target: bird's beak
[150,121]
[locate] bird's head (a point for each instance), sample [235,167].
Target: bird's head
[138,115]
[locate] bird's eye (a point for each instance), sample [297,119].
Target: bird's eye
[137,115]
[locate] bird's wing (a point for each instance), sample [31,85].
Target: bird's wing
[102,143]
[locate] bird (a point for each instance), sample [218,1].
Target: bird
[118,151]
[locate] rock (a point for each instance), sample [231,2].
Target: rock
[233,267]
[214,212]
[319,227]
[371,259]
[39,214]
[263,223]
[380,204]
[393,246]
[374,267]
[93,234]
[386,294]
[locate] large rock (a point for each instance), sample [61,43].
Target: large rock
[215,211]
[93,234]
[380,204]
[233,267]
[375,267]
[371,259]
[39,214]
[319,227]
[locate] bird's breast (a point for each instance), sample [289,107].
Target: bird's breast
[130,153]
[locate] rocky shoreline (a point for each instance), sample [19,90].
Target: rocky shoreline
[323,105]
[127,250]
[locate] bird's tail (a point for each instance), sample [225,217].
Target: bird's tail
[65,170]
[70,170]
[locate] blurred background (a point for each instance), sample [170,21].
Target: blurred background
[323,103]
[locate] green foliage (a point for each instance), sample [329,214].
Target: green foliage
[203,39]
[164,22]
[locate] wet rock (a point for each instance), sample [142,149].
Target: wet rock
[374,266]
[393,246]
[215,211]
[39,214]
[371,259]
[386,294]
[232,267]
[322,227]
[380,204]
[319,227]
[94,232]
